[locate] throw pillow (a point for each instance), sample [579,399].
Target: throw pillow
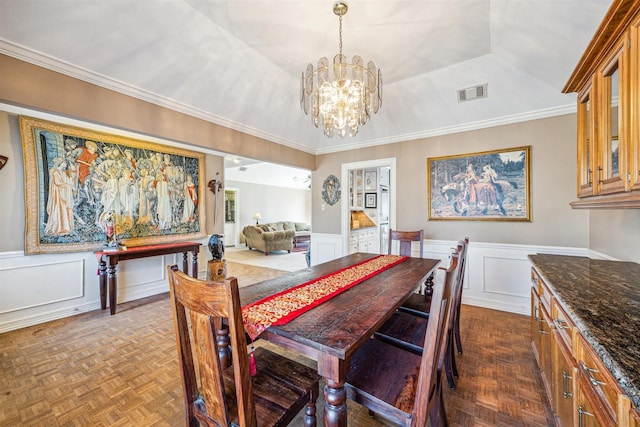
[288,225]
[263,227]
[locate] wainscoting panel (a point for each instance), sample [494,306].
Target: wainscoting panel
[495,268]
[325,247]
[40,288]
[33,285]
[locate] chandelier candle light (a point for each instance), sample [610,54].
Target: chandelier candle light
[346,100]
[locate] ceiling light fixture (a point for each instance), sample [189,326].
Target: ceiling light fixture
[346,99]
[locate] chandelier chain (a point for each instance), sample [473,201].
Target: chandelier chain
[340,32]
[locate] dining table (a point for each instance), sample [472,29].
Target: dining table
[331,332]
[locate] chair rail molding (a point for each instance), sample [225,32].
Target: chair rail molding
[497,277]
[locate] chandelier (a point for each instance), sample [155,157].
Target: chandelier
[344,100]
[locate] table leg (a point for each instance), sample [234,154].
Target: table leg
[113,288]
[335,404]
[194,264]
[103,284]
[185,263]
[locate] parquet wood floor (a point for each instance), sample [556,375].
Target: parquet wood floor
[100,370]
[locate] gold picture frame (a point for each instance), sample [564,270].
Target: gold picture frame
[85,189]
[487,186]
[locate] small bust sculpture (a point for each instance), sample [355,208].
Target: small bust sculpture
[216,246]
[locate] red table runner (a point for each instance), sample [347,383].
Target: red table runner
[280,308]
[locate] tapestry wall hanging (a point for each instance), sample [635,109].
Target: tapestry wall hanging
[492,185]
[77,181]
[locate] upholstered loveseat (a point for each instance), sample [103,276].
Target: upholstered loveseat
[275,236]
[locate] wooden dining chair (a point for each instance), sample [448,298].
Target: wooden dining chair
[406,330]
[397,384]
[418,304]
[231,396]
[405,240]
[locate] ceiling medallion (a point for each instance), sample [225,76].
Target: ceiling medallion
[346,99]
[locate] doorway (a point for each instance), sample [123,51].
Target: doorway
[231,220]
[349,169]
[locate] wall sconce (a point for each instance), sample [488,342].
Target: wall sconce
[257,217]
[3,161]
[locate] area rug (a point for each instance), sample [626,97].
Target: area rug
[278,260]
[250,274]
[301,247]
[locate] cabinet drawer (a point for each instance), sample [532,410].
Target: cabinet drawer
[602,384]
[563,325]
[543,289]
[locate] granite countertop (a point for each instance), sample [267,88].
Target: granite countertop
[603,299]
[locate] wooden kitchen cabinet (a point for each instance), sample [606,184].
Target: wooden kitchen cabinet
[634,418]
[634,107]
[565,376]
[541,333]
[580,388]
[586,414]
[607,395]
[565,372]
[607,83]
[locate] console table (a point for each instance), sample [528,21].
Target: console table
[109,261]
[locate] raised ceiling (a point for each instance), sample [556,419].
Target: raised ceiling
[238,62]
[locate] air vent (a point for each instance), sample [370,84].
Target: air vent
[473,92]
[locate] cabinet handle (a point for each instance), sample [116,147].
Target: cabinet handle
[535,313]
[582,412]
[600,175]
[565,393]
[540,331]
[590,174]
[560,324]
[589,371]
[534,279]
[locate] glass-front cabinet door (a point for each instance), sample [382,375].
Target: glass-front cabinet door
[607,82]
[612,167]
[586,157]
[634,107]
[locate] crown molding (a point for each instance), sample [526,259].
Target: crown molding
[465,127]
[54,64]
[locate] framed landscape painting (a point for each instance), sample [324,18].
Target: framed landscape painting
[491,185]
[82,185]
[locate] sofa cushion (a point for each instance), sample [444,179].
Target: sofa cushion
[302,226]
[263,227]
[276,225]
[289,225]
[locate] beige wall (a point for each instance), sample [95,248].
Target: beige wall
[553,171]
[553,165]
[34,87]
[273,203]
[615,233]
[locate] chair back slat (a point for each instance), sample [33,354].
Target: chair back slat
[207,303]
[405,239]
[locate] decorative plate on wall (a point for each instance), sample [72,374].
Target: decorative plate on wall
[331,190]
